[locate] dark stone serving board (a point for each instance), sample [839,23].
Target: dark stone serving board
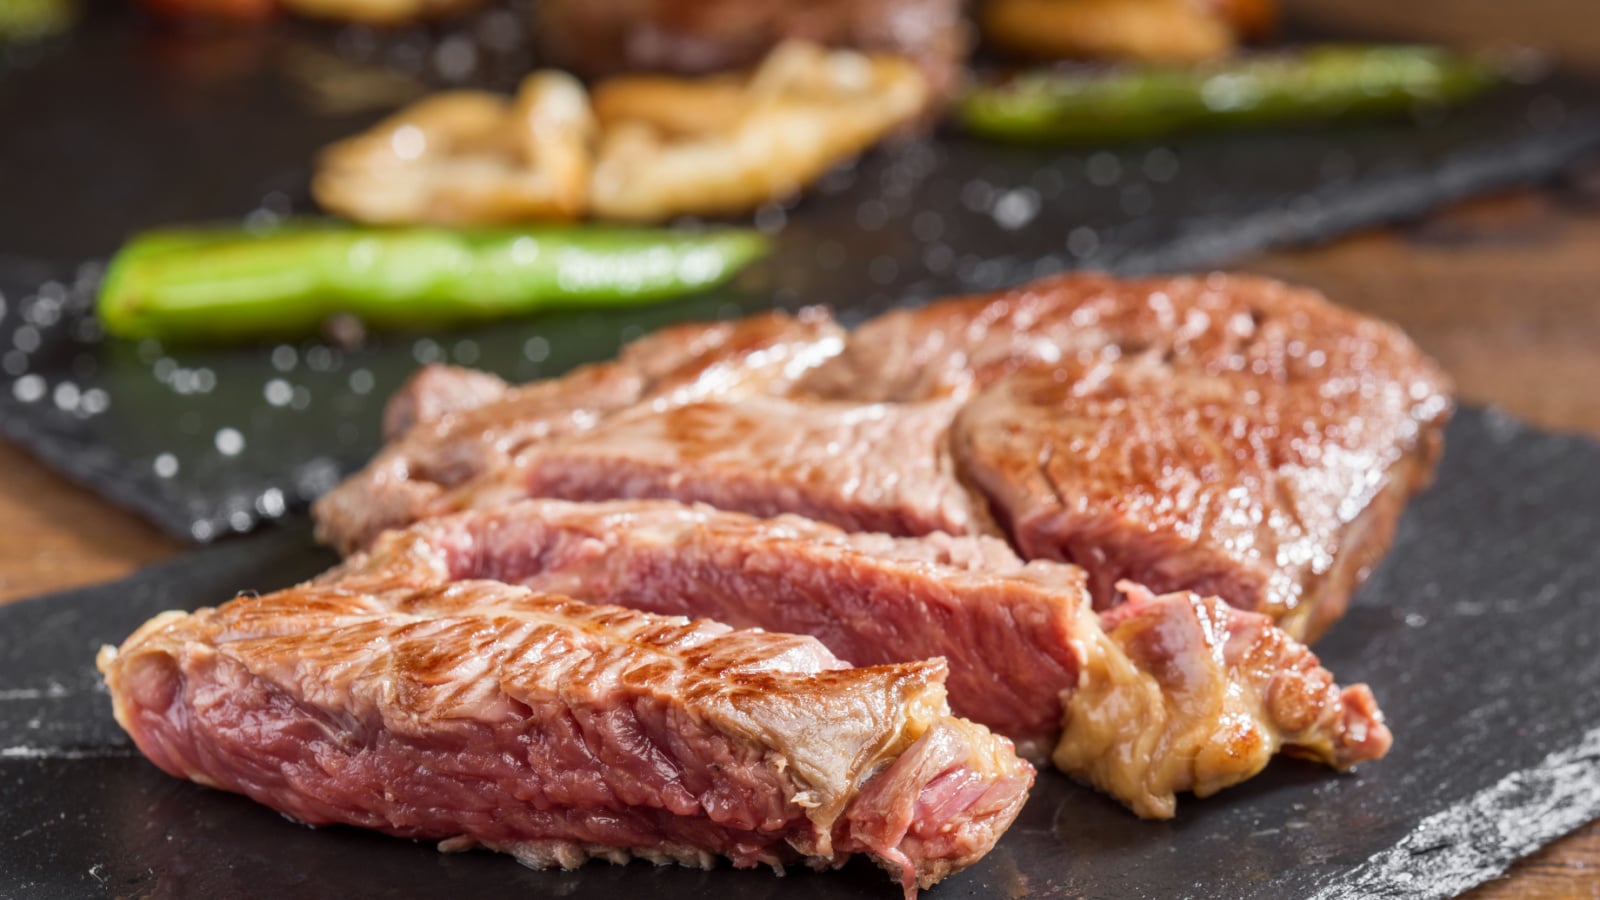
[1479,635]
[121,127]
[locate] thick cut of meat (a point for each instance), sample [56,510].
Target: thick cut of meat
[459,431]
[1228,435]
[863,467]
[604,36]
[560,731]
[1022,642]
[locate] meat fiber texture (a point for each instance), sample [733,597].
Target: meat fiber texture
[1227,435]
[479,714]
[1157,696]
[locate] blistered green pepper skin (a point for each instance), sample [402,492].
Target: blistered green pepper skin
[228,284]
[1142,102]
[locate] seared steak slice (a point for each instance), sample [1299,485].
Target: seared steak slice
[1228,435]
[410,478]
[1231,436]
[598,37]
[1021,639]
[875,467]
[559,731]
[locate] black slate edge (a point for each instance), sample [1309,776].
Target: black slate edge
[1464,846]
[59,454]
[175,511]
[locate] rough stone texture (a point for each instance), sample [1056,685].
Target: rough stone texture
[1477,634]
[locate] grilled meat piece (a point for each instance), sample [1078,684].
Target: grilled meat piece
[1228,435]
[557,731]
[478,430]
[863,467]
[600,37]
[1198,696]
[1222,690]
[438,390]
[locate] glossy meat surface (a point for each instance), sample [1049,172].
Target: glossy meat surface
[477,713]
[1027,655]
[864,467]
[1229,435]
[477,431]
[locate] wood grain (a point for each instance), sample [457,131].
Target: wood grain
[60,535]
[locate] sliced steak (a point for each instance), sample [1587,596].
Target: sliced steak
[1022,643]
[559,731]
[872,467]
[412,476]
[1230,436]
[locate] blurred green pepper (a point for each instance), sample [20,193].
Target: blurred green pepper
[26,20]
[1138,102]
[221,284]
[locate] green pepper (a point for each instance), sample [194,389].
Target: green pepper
[26,20]
[222,284]
[1131,103]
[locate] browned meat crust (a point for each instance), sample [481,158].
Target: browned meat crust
[413,476]
[1160,695]
[559,731]
[1229,435]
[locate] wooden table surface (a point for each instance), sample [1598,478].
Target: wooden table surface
[1504,291]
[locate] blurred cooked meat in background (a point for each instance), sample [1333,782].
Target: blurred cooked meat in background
[596,37]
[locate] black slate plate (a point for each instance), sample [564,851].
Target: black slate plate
[121,127]
[1478,634]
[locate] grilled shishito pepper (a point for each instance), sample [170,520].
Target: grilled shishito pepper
[1130,103]
[229,284]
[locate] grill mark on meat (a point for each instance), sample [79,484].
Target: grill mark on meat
[414,475]
[1236,466]
[478,713]
[1021,641]
[767,456]
[1276,409]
